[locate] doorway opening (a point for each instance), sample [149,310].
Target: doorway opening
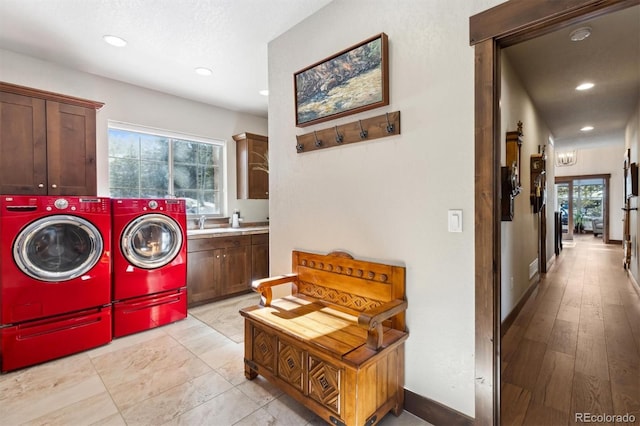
[490,31]
[583,202]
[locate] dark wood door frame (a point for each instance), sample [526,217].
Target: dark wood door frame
[489,31]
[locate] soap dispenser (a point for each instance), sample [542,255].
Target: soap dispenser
[235,219]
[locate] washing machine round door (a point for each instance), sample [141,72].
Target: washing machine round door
[151,241]
[58,248]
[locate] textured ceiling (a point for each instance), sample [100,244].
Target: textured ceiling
[167,40]
[551,67]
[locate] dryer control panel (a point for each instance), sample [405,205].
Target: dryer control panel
[77,204]
[53,204]
[142,205]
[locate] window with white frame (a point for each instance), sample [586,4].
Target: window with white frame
[150,163]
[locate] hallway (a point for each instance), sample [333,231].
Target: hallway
[575,346]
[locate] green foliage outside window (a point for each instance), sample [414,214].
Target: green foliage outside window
[142,165]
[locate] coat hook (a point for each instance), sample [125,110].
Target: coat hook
[299,146]
[363,133]
[390,126]
[318,141]
[339,137]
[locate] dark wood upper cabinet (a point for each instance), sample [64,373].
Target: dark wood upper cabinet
[23,145]
[47,143]
[252,165]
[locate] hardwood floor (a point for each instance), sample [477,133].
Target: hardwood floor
[574,349]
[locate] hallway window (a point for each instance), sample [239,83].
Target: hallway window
[587,196]
[582,202]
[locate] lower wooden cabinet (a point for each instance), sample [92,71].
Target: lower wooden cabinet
[235,269]
[259,256]
[222,266]
[201,282]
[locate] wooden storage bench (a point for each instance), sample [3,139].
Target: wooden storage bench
[336,344]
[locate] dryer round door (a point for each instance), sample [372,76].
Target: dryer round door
[151,241]
[58,248]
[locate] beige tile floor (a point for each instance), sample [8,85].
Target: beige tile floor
[186,373]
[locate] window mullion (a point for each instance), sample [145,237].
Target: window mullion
[170,188]
[139,167]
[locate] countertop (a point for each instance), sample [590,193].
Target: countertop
[193,234]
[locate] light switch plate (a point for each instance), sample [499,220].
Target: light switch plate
[455,220]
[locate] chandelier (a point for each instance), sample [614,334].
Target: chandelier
[567,158]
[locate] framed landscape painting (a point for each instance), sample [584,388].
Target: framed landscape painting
[351,81]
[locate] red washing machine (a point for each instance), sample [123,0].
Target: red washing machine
[55,285]
[149,263]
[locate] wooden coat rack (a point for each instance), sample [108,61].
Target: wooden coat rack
[363,130]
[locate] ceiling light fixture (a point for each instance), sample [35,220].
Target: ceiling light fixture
[203,71]
[115,40]
[580,34]
[264,92]
[587,128]
[568,158]
[585,86]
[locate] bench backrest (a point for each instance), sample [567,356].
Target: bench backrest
[353,285]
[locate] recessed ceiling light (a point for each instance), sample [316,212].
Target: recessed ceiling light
[585,86]
[115,40]
[264,92]
[580,34]
[203,71]
[587,128]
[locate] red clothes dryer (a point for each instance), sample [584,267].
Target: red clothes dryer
[55,285]
[149,263]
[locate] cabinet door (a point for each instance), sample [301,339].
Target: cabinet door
[236,269]
[260,261]
[71,149]
[23,150]
[258,179]
[252,179]
[203,267]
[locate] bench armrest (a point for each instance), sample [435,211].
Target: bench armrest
[263,286]
[372,320]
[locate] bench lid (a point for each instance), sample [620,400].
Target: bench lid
[310,321]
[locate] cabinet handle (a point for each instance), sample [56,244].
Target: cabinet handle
[218,257]
[54,185]
[41,185]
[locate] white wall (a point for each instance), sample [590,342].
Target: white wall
[136,105]
[632,141]
[606,159]
[388,199]
[519,238]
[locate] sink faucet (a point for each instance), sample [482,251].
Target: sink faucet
[201,221]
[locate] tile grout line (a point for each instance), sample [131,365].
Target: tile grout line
[107,389]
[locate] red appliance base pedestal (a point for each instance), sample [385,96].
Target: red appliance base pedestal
[37,341]
[146,312]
